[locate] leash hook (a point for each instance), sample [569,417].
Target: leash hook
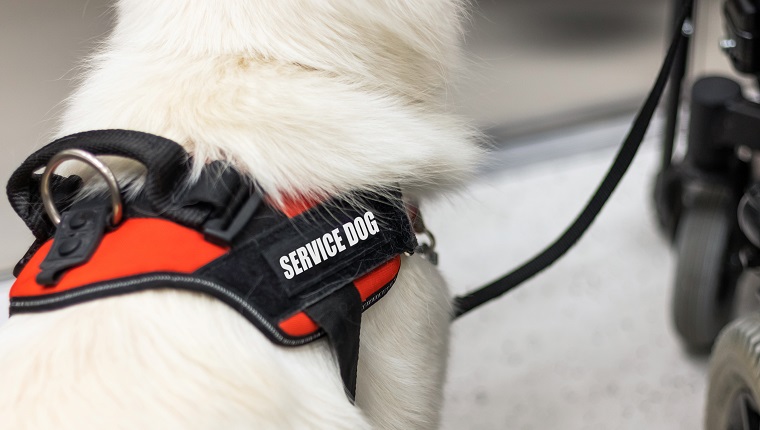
[427,250]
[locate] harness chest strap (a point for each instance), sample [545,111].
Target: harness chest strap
[297,273]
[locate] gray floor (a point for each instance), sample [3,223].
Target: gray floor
[588,344]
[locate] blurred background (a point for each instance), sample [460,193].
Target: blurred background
[555,83]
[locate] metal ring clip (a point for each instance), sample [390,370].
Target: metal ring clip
[87,158]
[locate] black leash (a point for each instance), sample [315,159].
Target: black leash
[553,252]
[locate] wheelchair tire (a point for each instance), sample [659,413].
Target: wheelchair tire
[701,297]
[733,393]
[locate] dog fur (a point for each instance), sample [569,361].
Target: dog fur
[311,98]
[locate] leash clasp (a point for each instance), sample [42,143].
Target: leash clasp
[426,249]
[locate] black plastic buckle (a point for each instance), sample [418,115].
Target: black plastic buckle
[222,230]
[75,241]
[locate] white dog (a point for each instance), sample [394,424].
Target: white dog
[309,97]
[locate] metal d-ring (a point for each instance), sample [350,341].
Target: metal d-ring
[87,158]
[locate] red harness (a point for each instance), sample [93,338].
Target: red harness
[152,245]
[297,271]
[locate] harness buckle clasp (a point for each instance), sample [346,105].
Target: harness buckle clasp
[222,230]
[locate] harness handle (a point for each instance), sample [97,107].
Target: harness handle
[631,144]
[165,161]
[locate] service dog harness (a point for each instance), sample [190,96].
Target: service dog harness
[297,271]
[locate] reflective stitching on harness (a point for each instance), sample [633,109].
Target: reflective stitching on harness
[377,296]
[205,283]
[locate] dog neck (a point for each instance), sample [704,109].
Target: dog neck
[309,98]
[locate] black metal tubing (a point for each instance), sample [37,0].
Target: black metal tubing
[722,119]
[742,124]
[673,97]
[710,146]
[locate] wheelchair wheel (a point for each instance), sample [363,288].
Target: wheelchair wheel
[703,285]
[733,394]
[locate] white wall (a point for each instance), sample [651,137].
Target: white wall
[40,42]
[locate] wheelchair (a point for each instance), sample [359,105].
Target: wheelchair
[708,205]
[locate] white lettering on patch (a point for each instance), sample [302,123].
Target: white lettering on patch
[328,245]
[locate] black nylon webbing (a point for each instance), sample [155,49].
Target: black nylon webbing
[165,161]
[556,250]
[339,315]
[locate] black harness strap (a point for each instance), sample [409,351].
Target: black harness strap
[570,237]
[340,316]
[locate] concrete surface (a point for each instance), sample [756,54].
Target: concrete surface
[586,345]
